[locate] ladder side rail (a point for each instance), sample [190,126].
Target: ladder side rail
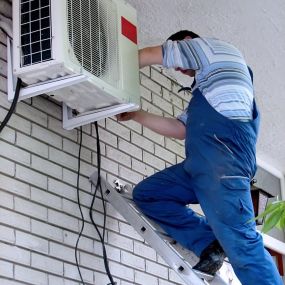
[145,229]
[177,257]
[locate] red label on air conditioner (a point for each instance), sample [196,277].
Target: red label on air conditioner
[129,30]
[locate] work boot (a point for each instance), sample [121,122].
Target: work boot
[211,259]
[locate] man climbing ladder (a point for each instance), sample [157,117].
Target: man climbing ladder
[220,126]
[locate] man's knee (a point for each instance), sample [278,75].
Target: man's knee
[138,193]
[143,191]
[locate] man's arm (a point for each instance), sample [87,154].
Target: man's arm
[169,127]
[150,55]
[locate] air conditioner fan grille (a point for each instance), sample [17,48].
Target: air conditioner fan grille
[92,27]
[35,27]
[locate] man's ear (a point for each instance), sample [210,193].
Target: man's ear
[187,38]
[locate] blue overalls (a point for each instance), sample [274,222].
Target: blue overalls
[220,162]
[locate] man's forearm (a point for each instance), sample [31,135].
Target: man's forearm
[150,55]
[169,127]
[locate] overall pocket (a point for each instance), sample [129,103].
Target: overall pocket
[236,206]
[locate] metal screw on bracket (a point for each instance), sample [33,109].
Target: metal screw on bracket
[121,188]
[118,185]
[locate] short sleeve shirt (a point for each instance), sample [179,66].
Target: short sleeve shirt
[221,75]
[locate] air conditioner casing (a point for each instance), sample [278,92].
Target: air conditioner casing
[97,39]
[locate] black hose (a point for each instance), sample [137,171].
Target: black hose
[13,105]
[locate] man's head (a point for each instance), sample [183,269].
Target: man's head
[183,35]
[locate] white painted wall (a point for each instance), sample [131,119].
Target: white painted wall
[256,27]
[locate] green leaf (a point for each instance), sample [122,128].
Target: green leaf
[272,220]
[271,208]
[281,223]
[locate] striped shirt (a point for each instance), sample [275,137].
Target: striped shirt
[221,74]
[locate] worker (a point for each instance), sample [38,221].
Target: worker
[220,128]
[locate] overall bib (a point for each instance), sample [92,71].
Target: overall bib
[220,162]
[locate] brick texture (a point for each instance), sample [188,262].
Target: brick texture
[39,215]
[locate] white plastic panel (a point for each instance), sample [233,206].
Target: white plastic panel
[86,41]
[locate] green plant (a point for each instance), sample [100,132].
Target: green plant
[274,216]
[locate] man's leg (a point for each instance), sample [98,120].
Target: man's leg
[163,197]
[227,204]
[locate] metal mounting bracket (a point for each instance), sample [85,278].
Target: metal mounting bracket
[71,120]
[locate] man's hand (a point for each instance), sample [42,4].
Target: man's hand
[125,116]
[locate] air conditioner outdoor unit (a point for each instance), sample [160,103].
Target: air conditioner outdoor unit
[82,52]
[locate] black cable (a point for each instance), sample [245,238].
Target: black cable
[79,205]
[98,186]
[13,105]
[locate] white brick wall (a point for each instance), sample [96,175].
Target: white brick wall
[39,217]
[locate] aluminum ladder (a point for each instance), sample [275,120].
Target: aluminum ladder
[179,259]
